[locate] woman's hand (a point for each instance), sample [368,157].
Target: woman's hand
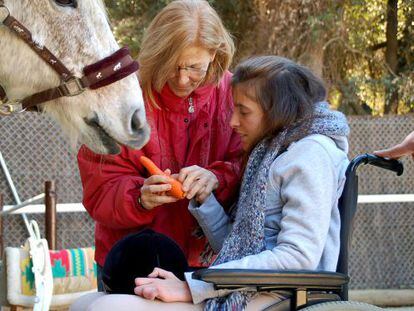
[162,285]
[197,182]
[153,191]
[405,148]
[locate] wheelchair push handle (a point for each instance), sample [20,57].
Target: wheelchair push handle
[389,164]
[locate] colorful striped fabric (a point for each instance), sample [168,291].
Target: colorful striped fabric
[74,270]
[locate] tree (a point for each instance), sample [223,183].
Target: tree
[391,56]
[362,48]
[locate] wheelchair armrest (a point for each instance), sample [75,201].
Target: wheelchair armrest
[272,279]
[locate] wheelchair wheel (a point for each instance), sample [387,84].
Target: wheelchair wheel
[342,306]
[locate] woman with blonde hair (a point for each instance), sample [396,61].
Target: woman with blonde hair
[184,61]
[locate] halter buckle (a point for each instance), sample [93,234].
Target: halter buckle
[8,109]
[4,13]
[72,87]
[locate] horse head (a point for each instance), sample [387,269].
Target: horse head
[78,34]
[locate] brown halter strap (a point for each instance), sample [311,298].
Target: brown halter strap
[104,72]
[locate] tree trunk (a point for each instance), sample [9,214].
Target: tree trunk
[391,56]
[350,104]
[313,58]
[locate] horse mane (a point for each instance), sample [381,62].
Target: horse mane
[103,7]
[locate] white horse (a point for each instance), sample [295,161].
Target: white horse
[78,34]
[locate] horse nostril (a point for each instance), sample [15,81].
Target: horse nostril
[135,122]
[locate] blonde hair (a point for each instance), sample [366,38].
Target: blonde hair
[181,24]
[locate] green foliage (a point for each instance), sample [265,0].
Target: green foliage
[342,40]
[129,19]
[362,53]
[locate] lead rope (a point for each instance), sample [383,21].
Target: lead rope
[42,268]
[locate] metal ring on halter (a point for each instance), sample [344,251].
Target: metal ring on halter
[72,87]
[4,12]
[7,109]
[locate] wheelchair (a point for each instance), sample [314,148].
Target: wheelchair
[310,290]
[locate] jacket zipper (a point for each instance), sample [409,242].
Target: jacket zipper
[190,111]
[190,105]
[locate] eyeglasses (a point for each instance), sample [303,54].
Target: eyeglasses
[195,74]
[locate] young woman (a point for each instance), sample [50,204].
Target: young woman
[183,72]
[287,213]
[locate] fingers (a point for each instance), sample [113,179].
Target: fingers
[175,176]
[155,188]
[156,179]
[170,289]
[183,173]
[145,288]
[155,195]
[205,193]
[151,287]
[188,175]
[197,181]
[196,187]
[394,153]
[143,281]
[147,292]
[406,147]
[161,273]
[152,201]
[153,191]
[203,187]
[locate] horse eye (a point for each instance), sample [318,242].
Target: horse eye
[72,3]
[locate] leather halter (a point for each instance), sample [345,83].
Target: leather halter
[106,71]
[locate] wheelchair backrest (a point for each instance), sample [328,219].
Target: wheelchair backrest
[349,199]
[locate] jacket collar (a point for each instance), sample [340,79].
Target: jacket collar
[167,100]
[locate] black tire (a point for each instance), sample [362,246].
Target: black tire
[342,306]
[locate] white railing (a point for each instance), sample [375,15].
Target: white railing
[40,208]
[385,198]
[78,207]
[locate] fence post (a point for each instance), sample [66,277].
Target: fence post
[50,213]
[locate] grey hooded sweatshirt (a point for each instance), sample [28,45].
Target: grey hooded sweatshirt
[302,221]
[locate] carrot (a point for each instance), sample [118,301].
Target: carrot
[176,186]
[150,166]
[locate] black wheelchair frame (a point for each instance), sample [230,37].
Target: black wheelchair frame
[307,288]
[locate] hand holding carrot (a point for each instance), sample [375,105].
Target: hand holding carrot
[154,192]
[198,182]
[160,188]
[193,182]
